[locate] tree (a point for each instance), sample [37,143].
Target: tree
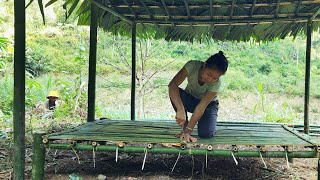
[152,58]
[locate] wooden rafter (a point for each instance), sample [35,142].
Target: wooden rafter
[232,8]
[228,21]
[253,7]
[242,5]
[129,6]
[166,8]
[315,15]
[277,9]
[112,11]
[238,17]
[298,7]
[187,8]
[211,9]
[146,8]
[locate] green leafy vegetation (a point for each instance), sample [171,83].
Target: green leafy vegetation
[57,59]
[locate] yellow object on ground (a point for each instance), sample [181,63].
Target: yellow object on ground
[53,94]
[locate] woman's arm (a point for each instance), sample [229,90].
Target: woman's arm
[199,110]
[175,95]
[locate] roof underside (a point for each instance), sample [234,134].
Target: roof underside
[190,20]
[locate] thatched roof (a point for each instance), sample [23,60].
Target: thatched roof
[202,19]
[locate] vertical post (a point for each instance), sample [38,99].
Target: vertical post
[133,74]
[92,64]
[19,90]
[38,157]
[307,78]
[318,169]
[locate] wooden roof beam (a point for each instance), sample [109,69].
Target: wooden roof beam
[315,15]
[277,9]
[230,24]
[225,21]
[211,9]
[253,7]
[146,8]
[242,5]
[129,6]
[187,8]
[166,8]
[232,8]
[112,11]
[298,7]
[238,17]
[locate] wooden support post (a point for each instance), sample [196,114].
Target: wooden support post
[318,169]
[38,157]
[133,73]
[19,90]
[92,64]
[307,78]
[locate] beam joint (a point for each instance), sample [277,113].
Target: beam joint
[112,11]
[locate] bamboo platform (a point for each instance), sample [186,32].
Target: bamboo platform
[232,139]
[163,131]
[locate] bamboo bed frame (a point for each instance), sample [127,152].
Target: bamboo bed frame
[232,139]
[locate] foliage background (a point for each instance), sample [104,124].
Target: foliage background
[265,81]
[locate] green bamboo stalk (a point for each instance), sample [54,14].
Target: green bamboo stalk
[19,90]
[38,157]
[164,150]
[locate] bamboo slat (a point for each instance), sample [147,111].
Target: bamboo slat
[163,131]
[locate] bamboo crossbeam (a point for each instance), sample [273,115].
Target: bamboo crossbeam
[146,8]
[315,14]
[129,6]
[252,8]
[187,8]
[277,9]
[211,9]
[298,8]
[166,8]
[239,17]
[112,11]
[228,21]
[232,8]
[165,150]
[241,5]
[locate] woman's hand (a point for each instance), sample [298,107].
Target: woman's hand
[181,118]
[187,137]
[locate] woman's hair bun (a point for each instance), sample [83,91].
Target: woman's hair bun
[220,52]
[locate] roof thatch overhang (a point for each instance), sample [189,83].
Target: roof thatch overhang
[188,20]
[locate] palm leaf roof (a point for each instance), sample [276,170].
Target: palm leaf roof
[189,20]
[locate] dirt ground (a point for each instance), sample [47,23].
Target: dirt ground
[61,164]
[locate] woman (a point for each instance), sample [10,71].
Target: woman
[199,97]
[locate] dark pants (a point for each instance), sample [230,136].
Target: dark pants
[208,121]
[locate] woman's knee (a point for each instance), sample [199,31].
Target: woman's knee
[208,134]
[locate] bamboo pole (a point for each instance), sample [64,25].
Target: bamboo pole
[133,73]
[92,64]
[19,90]
[318,169]
[38,157]
[214,152]
[307,78]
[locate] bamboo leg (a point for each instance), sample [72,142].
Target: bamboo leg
[38,157]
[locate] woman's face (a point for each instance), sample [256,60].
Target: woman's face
[210,75]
